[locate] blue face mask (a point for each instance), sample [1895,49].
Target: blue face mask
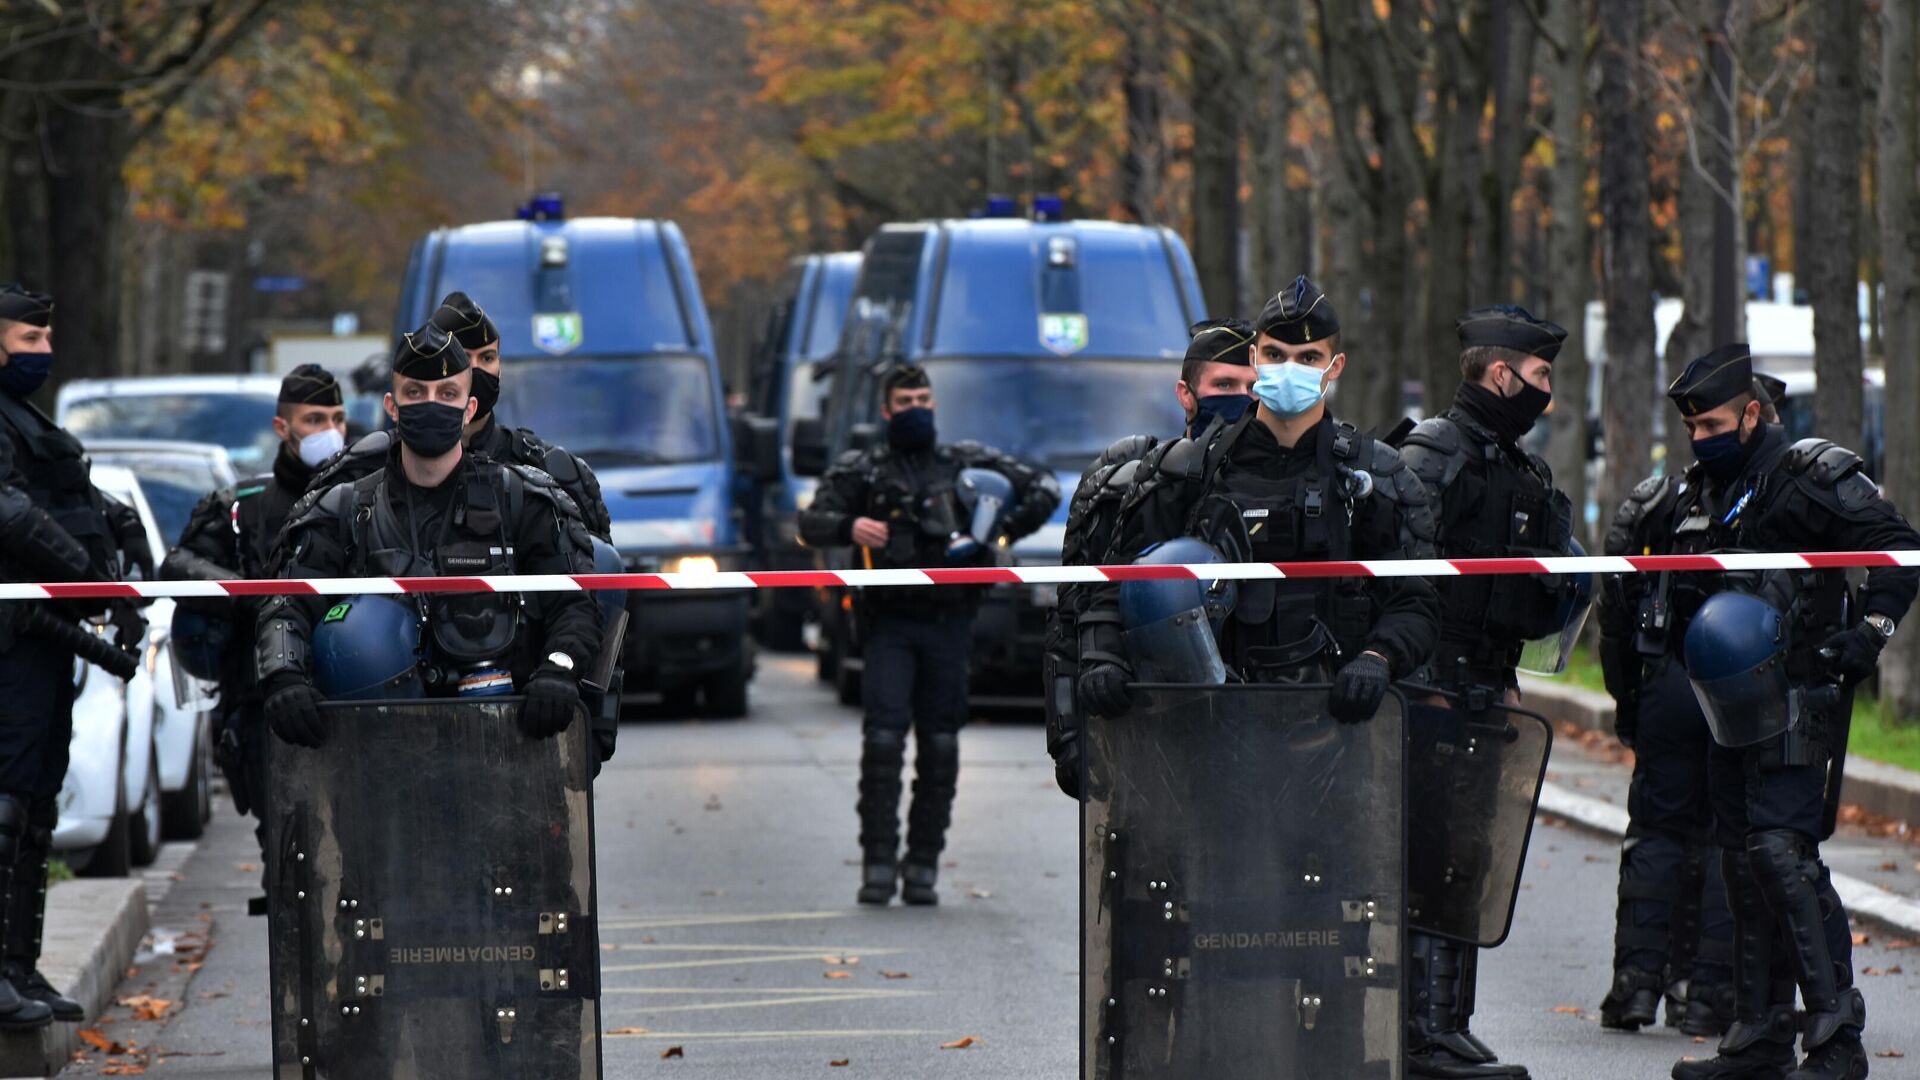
[25,371]
[1722,456]
[1228,407]
[1289,388]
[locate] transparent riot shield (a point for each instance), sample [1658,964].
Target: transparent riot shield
[1241,875]
[1473,782]
[432,891]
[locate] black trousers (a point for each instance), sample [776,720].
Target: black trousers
[915,680]
[36,719]
[1672,917]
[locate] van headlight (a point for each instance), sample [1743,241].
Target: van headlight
[691,564]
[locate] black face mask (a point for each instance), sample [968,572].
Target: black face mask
[431,428]
[910,429]
[1509,417]
[1723,457]
[1228,407]
[486,391]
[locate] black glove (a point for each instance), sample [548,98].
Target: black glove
[293,711]
[1358,689]
[138,554]
[1626,720]
[1066,767]
[1852,655]
[553,696]
[1103,690]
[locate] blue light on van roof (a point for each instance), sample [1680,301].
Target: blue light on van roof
[1049,208]
[545,206]
[1001,206]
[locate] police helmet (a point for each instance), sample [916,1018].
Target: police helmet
[367,648]
[1735,651]
[1548,654]
[606,560]
[987,497]
[199,641]
[1169,625]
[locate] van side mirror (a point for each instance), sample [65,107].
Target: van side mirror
[809,447]
[756,446]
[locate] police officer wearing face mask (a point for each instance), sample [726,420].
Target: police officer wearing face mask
[1492,500]
[54,526]
[1673,934]
[435,510]
[896,501]
[1215,387]
[1284,482]
[231,534]
[461,317]
[1771,779]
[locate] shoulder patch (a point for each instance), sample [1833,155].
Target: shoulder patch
[249,491]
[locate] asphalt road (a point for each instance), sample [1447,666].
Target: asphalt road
[727,872]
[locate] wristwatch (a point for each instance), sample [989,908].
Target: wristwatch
[1883,624]
[560,660]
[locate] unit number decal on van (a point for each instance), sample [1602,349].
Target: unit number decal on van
[557,334]
[1063,334]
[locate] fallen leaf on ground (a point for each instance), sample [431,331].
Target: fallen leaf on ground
[627,1031]
[1572,1010]
[895,975]
[146,1006]
[608,946]
[1896,969]
[980,894]
[647,939]
[1698,1039]
[837,974]
[93,1038]
[1870,971]
[672,1052]
[960,1044]
[1889,1053]
[1860,939]
[128,1069]
[838,1062]
[1889,866]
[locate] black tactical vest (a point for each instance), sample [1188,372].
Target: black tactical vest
[57,481]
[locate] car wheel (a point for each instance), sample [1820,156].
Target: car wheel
[681,701]
[726,693]
[112,858]
[143,823]
[184,814]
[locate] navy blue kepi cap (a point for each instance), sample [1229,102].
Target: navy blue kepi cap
[1713,380]
[1220,341]
[429,354]
[310,384]
[1299,314]
[21,304]
[1509,326]
[460,316]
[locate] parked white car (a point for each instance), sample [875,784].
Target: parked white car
[113,806]
[233,411]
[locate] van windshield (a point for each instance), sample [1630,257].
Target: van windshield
[1056,412]
[615,411]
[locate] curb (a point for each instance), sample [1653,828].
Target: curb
[93,928]
[1863,901]
[1878,788]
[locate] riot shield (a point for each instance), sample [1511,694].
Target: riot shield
[1241,888]
[432,890]
[1473,781]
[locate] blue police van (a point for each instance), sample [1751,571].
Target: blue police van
[606,349]
[789,375]
[1044,337]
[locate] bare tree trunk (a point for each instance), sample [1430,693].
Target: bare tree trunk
[1899,196]
[1513,66]
[1833,263]
[1620,121]
[1569,273]
[86,204]
[1693,335]
[1216,182]
[1140,84]
[1280,250]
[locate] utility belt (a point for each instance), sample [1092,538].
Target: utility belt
[1309,659]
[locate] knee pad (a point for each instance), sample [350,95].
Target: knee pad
[885,745]
[938,758]
[1783,858]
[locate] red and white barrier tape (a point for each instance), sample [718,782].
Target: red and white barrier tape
[992,575]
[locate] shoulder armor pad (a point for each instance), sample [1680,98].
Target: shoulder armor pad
[1800,456]
[1122,476]
[1435,450]
[1832,464]
[324,503]
[1648,490]
[1131,448]
[534,475]
[967,448]
[849,459]
[1179,458]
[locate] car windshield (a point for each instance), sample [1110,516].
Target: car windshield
[1053,411]
[174,485]
[243,423]
[615,411]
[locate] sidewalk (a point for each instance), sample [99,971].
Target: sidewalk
[1875,861]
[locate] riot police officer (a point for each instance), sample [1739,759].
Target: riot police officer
[896,501]
[1673,935]
[1778,718]
[233,533]
[1215,387]
[54,526]
[1286,481]
[1492,500]
[434,509]
[461,317]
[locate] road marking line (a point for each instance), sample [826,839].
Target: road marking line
[716,1006]
[668,921]
[843,1034]
[671,965]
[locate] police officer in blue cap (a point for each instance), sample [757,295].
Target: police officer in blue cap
[1215,387]
[1774,789]
[435,510]
[232,533]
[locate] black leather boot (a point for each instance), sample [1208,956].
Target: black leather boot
[1634,999]
[917,878]
[28,1001]
[1752,1050]
[1709,1009]
[1832,1042]
[878,874]
[1437,1045]
[1799,891]
[936,770]
[1759,1043]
